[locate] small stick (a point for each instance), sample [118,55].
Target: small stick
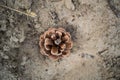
[31,14]
[100,52]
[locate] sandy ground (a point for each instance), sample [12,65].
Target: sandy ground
[93,24]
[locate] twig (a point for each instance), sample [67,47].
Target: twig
[100,52]
[31,14]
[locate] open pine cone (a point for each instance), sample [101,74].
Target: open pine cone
[55,43]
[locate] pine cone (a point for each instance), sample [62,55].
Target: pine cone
[55,43]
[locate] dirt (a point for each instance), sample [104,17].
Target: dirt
[93,24]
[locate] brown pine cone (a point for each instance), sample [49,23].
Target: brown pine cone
[55,43]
